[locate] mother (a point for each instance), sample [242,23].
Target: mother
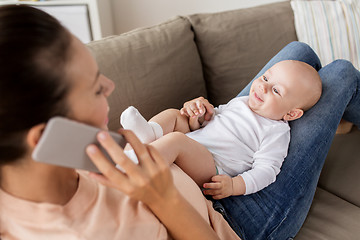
[46,72]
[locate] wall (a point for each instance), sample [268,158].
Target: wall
[130,14]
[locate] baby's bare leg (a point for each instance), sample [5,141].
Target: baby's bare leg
[147,131]
[192,157]
[171,120]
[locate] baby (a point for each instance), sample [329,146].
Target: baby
[240,149]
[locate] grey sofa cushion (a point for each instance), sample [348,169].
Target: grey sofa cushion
[237,44]
[330,217]
[153,68]
[341,172]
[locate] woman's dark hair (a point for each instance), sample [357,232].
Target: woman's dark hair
[34,50]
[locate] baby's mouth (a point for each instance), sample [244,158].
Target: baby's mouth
[257,97]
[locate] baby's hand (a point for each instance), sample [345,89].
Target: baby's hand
[197,110]
[220,187]
[198,107]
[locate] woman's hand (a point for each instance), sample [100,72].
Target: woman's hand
[151,182]
[147,181]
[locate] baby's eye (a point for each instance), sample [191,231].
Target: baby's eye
[276,91]
[264,78]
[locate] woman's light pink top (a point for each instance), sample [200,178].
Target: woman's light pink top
[98,212]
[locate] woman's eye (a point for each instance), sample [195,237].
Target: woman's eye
[265,79]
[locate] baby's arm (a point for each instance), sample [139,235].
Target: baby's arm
[197,110]
[267,160]
[223,186]
[267,163]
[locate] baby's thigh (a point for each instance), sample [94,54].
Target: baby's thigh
[191,156]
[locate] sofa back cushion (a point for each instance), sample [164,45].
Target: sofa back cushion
[153,68]
[235,45]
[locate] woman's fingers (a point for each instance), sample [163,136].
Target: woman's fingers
[102,179]
[145,181]
[140,149]
[105,167]
[116,152]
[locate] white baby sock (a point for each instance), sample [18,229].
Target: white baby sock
[147,132]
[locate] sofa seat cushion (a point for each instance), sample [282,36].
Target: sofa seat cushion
[330,217]
[340,174]
[153,68]
[235,45]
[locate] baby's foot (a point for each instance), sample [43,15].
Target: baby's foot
[146,131]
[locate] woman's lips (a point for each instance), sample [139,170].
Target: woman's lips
[107,118]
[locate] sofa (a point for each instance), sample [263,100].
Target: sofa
[215,55]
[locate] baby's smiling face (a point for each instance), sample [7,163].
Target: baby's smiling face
[285,91]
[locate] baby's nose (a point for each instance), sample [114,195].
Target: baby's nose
[263,87]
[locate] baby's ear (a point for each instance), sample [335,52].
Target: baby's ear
[293,114]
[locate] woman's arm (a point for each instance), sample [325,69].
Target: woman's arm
[151,182]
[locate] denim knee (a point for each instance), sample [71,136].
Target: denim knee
[303,52]
[347,74]
[301,46]
[343,64]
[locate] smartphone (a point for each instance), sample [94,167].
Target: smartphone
[64,141]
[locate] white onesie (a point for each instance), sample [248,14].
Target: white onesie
[245,143]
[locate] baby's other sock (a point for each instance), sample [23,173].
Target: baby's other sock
[147,132]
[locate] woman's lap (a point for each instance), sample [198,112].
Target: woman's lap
[278,211]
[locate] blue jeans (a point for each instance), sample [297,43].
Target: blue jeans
[279,210]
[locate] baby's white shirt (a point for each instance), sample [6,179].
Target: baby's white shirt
[245,143]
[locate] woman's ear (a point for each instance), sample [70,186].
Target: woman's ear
[34,134]
[293,114]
